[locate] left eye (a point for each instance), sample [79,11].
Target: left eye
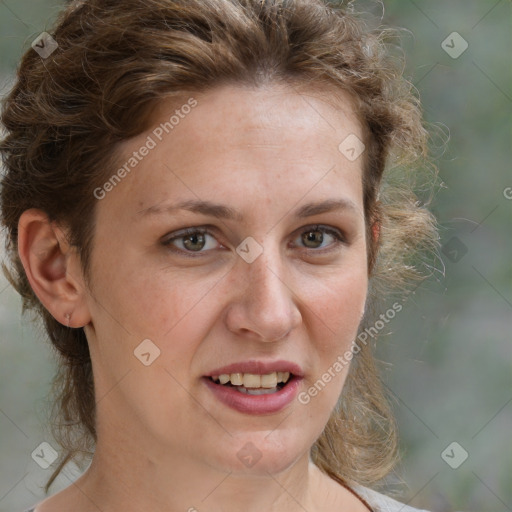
[193,240]
[316,234]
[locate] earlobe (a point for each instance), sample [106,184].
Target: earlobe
[52,268]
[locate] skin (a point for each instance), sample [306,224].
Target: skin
[164,441]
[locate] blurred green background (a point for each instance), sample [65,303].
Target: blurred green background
[450,352]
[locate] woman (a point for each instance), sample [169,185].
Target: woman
[207,202]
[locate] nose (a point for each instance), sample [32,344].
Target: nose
[264,306]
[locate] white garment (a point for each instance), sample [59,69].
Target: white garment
[379,502]
[382,503]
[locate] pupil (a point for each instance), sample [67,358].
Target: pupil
[311,236]
[194,237]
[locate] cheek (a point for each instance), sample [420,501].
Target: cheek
[338,306]
[336,318]
[336,311]
[173,307]
[151,302]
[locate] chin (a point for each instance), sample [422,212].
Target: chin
[261,453]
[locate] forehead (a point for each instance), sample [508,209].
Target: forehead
[275,140]
[284,108]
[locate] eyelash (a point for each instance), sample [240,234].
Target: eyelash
[338,235]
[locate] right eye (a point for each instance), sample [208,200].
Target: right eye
[190,240]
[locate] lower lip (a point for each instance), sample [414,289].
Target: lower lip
[255,404]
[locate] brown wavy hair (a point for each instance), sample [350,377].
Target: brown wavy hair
[114,63]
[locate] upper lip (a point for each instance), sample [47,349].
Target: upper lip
[259,368]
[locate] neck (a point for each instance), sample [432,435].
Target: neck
[127,473]
[128,480]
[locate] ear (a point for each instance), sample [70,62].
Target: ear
[52,268]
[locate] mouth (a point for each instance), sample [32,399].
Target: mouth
[254,394]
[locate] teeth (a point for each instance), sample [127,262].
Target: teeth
[223,378]
[236,379]
[251,380]
[268,381]
[260,391]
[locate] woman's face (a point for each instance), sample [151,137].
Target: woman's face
[269,282]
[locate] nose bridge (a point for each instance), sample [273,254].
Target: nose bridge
[266,306]
[265,276]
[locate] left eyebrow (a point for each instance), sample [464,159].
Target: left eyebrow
[221,211]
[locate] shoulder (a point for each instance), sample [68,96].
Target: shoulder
[378,501]
[382,503]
